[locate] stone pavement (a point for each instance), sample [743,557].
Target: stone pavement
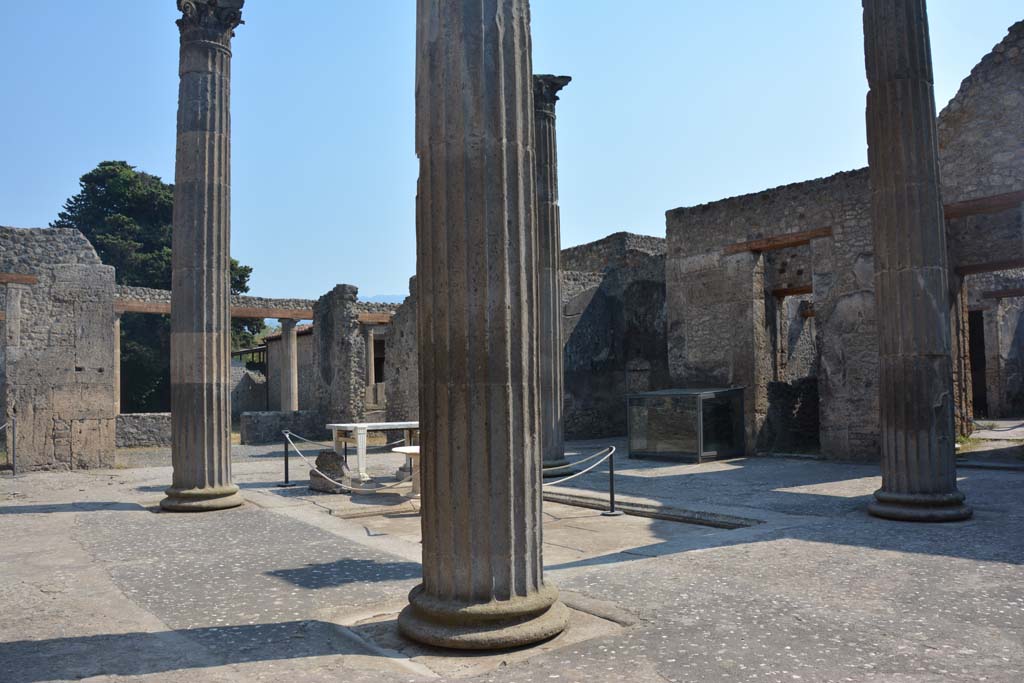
[95,585]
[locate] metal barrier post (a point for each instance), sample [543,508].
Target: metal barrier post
[611,511]
[287,451]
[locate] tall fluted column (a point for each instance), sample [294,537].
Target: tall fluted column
[911,288]
[289,366]
[200,265]
[483,583]
[549,293]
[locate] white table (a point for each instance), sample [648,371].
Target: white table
[413,453]
[355,432]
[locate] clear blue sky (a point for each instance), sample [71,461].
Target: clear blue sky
[673,103]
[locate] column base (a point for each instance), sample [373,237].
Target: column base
[557,468]
[201,500]
[495,625]
[920,507]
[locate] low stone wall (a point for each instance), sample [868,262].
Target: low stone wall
[137,430]
[266,426]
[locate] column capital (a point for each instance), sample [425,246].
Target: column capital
[213,20]
[287,323]
[545,91]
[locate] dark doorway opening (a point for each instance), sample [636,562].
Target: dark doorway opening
[976,327]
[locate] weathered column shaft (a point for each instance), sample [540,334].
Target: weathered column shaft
[911,287]
[483,584]
[549,291]
[117,364]
[289,366]
[200,266]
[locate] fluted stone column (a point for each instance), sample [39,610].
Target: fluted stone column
[289,366]
[200,281]
[549,293]
[911,288]
[483,584]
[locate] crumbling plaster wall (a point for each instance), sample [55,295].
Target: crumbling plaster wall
[59,350]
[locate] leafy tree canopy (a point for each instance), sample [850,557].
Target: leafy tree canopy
[127,214]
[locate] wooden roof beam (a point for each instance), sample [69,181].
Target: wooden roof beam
[792,239]
[1003,293]
[983,205]
[18,279]
[990,266]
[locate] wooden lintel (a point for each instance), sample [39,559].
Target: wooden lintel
[793,239]
[285,313]
[983,205]
[164,308]
[154,307]
[1003,293]
[990,267]
[18,279]
[369,318]
[783,292]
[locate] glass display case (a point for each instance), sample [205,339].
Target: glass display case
[692,425]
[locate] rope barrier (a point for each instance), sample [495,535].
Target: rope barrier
[576,462]
[608,453]
[611,452]
[288,435]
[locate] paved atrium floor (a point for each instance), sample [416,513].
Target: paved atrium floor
[774,573]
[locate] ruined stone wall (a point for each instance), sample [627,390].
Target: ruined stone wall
[163,296]
[613,326]
[248,390]
[139,430]
[339,356]
[401,363]
[59,350]
[981,148]
[304,352]
[724,328]
[981,130]
[262,427]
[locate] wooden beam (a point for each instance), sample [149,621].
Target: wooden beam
[990,267]
[154,307]
[783,292]
[3,316]
[807,312]
[286,313]
[793,239]
[1003,293]
[983,205]
[18,279]
[164,308]
[368,318]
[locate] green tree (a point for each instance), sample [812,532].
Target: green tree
[127,215]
